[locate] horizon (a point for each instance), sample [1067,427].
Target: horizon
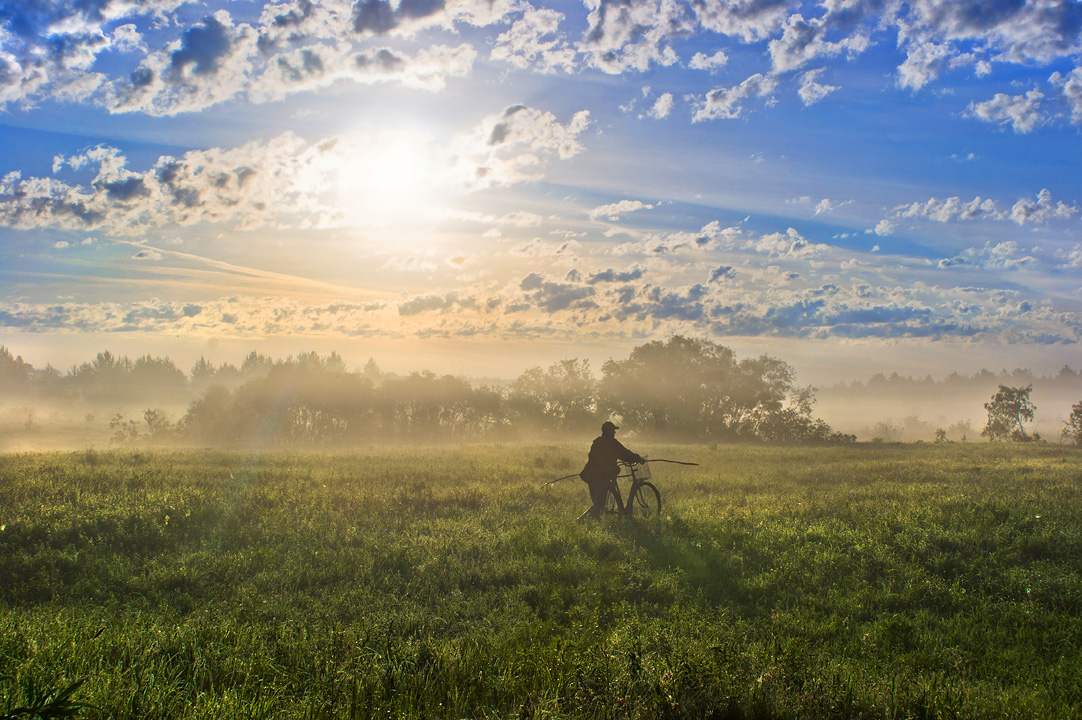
[479,188]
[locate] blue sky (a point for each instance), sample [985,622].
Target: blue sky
[480,186]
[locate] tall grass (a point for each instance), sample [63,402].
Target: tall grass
[871,581]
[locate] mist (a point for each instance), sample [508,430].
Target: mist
[682,389]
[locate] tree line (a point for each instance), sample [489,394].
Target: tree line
[681,388]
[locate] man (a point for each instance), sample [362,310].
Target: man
[602,468]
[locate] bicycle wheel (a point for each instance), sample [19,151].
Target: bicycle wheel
[613,503]
[647,502]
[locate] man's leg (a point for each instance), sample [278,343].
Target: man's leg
[599,490]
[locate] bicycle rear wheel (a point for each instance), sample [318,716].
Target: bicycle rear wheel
[613,503]
[647,502]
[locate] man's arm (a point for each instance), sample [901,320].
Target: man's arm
[626,455]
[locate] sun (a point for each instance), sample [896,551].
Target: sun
[389,179]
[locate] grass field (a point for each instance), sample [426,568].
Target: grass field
[869,581]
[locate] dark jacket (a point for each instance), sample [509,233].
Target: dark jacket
[605,452]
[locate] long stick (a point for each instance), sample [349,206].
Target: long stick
[675,462]
[567,477]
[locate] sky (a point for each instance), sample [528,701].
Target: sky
[482,186]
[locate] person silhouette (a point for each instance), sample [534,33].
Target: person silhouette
[602,466]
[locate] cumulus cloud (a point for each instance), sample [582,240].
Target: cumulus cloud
[1002,256]
[615,210]
[1003,30]
[281,182]
[805,40]
[1071,86]
[291,47]
[950,209]
[1041,210]
[624,36]
[722,272]
[790,244]
[811,90]
[511,146]
[727,103]
[555,296]
[661,107]
[534,42]
[884,227]
[615,276]
[749,20]
[702,61]
[1021,112]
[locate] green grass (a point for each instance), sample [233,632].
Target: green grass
[869,581]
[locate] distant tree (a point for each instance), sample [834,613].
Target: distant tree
[1072,427]
[563,397]
[155,378]
[959,430]
[212,418]
[694,388]
[256,365]
[124,430]
[159,427]
[1008,411]
[15,375]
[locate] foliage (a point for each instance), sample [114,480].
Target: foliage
[564,396]
[693,388]
[436,582]
[45,704]
[1072,426]
[682,388]
[1008,410]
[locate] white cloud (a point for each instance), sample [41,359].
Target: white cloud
[805,40]
[625,36]
[826,205]
[1022,112]
[702,61]
[885,227]
[535,42]
[790,244]
[662,106]
[1071,84]
[1042,210]
[1002,256]
[512,146]
[950,209]
[281,182]
[615,210]
[727,103]
[749,20]
[811,90]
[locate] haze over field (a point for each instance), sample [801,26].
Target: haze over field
[853,186]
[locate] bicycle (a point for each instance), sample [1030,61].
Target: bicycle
[643,498]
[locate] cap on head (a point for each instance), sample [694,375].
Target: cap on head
[607,426]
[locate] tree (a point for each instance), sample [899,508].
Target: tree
[564,397]
[15,374]
[1072,427]
[1008,410]
[693,388]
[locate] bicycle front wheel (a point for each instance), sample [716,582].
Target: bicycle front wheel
[647,503]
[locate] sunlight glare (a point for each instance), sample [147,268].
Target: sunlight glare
[390,180]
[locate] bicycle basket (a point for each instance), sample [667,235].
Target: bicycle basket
[642,472]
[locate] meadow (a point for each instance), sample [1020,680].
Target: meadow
[865,581]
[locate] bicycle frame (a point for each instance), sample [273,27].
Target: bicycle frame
[639,474]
